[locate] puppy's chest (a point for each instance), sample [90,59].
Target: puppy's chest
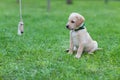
[75,38]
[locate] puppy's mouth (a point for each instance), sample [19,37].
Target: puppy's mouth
[67,26]
[70,28]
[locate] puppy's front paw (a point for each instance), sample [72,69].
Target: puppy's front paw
[67,50]
[78,56]
[70,52]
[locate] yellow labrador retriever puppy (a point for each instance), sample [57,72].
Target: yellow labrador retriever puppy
[80,39]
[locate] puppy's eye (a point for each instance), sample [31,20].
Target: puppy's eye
[72,21]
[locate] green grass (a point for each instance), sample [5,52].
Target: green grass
[39,53]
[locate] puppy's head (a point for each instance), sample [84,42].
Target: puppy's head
[74,21]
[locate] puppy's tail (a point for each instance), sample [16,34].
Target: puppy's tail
[99,49]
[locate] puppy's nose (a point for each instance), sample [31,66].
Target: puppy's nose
[67,26]
[22,32]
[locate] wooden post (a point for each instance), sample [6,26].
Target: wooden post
[106,1]
[17,1]
[69,1]
[48,5]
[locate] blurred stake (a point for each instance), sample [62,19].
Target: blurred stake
[106,1]
[17,1]
[69,1]
[48,5]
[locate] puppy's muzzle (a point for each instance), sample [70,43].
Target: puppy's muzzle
[67,26]
[21,32]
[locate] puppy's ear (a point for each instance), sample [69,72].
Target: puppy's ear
[80,20]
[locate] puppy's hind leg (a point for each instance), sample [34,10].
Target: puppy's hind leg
[94,47]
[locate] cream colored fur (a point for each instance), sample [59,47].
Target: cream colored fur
[79,40]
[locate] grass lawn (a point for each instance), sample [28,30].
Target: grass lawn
[39,53]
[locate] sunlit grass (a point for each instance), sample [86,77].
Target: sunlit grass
[39,53]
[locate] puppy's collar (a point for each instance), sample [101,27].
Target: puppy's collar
[81,27]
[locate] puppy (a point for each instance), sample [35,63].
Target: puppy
[80,39]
